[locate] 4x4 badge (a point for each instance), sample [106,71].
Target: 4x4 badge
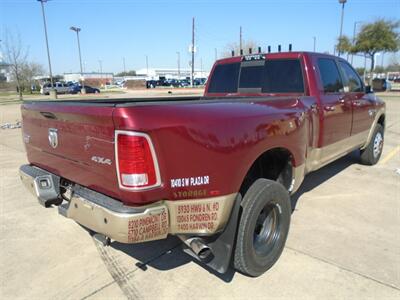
[53,137]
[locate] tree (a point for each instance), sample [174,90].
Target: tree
[344,44]
[393,67]
[360,71]
[128,73]
[379,36]
[235,47]
[394,64]
[379,69]
[28,72]
[15,55]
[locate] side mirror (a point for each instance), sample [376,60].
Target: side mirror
[368,89]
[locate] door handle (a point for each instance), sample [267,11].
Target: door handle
[329,108]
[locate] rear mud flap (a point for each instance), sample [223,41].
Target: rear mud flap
[223,245]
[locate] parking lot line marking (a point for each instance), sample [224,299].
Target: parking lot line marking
[390,155]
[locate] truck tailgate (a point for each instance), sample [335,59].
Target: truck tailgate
[74,141]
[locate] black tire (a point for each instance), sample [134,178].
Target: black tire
[258,246]
[371,154]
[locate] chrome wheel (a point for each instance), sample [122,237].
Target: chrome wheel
[266,231]
[378,144]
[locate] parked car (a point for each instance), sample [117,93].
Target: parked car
[60,87]
[89,90]
[199,81]
[151,84]
[120,83]
[217,171]
[184,82]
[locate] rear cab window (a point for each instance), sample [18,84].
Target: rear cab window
[225,78]
[283,76]
[262,76]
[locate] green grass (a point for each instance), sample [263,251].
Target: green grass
[111,91]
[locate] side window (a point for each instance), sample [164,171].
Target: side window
[225,78]
[352,80]
[330,76]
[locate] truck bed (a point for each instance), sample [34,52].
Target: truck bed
[185,131]
[117,101]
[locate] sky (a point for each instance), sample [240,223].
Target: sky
[158,29]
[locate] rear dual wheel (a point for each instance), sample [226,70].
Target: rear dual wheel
[263,227]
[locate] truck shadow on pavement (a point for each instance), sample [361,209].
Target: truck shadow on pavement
[318,177]
[165,255]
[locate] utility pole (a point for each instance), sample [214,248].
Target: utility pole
[147,66]
[354,37]
[179,64]
[123,62]
[315,42]
[216,53]
[240,40]
[101,66]
[101,70]
[201,67]
[192,72]
[365,68]
[48,51]
[341,22]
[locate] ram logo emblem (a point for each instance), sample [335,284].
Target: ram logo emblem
[101,160]
[53,137]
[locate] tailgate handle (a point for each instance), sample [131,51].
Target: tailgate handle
[48,115]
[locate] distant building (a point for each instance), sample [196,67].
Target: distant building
[167,73]
[5,72]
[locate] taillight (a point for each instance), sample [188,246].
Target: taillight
[136,162]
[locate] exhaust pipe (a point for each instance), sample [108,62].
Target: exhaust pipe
[199,248]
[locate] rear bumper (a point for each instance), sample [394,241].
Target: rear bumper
[127,224]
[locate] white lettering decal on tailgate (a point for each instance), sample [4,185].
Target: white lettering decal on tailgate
[190,181]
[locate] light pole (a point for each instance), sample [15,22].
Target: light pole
[179,64]
[53,91]
[101,71]
[101,66]
[77,30]
[147,66]
[354,37]
[341,22]
[315,42]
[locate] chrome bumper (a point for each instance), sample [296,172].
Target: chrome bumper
[127,224]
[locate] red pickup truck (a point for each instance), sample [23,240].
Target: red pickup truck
[218,170]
